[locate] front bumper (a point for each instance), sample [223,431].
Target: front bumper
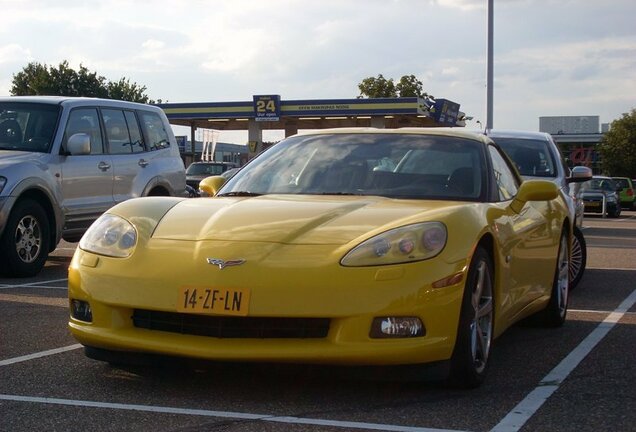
[313,287]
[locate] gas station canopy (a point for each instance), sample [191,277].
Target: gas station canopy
[312,114]
[269,112]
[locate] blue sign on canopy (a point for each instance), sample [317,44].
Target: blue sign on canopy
[445,112]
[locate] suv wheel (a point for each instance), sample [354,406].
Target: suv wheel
[25,242]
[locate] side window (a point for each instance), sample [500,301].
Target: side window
[122,131]
[85,120]
[136,141]
[506,182]
[116,131]
[156,134]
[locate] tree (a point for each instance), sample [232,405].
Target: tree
[410,86]
[124,90]
[377,87]
[618,147]
[39,79]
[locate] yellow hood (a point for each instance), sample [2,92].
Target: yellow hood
[289,219]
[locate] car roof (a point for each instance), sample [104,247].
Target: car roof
[76,101]
[441,131]
[521,134]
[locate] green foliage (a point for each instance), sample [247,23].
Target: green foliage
[618,147]
[39,79]
[409,86]
[379,87]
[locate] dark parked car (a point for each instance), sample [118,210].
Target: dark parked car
[600,195]
[197,171]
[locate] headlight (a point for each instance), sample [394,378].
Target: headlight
[3,181]
[110,235]
[409,243]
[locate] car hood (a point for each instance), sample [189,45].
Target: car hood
[292,219]
[12,157]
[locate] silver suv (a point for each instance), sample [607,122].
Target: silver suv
[64,161]
[537,156]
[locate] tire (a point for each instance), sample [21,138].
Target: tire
[25,241]
[469,362]
[616,213]
[555,312]
[578,258]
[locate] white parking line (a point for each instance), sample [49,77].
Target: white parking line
[512,422]
[610,269]
[39,354]
[37,284]
[525,409]
[223,414]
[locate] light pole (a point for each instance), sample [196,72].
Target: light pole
[489,74]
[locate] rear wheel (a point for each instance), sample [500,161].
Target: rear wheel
[25,241]
[469,362]
[554,314]
[578,258]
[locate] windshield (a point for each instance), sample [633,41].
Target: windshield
[532,157]
[205,169]
[599,184]
[27,126]
[622,182]
[392,165]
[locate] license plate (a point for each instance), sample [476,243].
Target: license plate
[592,204]
[220,301]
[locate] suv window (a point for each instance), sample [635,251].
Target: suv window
[122,131]
[27,126]
[85,120]
[136,141]
[153,127]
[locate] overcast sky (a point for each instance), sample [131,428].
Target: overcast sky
[552,57]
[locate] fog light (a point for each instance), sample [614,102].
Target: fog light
[81,310]
[397,327]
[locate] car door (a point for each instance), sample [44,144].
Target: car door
[528,243]
[86,181]
[128,153]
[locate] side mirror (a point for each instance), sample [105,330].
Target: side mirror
[580,174]
[79,144]
[534,190]
[211,185]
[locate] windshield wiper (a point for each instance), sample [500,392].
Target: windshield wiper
[239,194]
[341,193]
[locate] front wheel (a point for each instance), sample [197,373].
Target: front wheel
[25,241]
[578,258]
[469,362]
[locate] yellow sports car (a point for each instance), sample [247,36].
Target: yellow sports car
[345,246]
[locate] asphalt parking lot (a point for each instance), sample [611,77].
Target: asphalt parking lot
[580,377]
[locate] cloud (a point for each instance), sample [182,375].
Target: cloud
[14,53]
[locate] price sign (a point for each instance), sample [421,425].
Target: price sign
[267,107]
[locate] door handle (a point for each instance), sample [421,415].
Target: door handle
[103,166]
[142,163]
